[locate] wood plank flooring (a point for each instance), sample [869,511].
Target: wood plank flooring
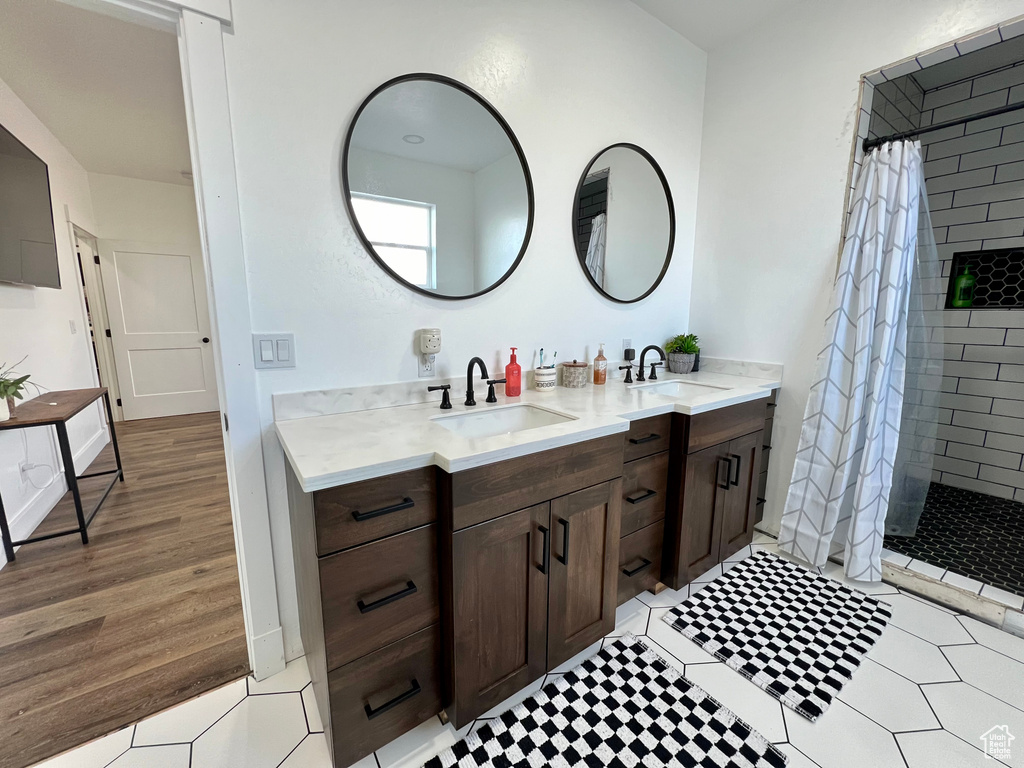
[149,614]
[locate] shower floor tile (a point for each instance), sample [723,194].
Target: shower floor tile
[971,534]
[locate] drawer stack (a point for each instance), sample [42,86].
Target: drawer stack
[766,453]
[379,657]
[644,489]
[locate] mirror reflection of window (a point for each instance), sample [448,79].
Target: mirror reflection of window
[427,143]
[402,233]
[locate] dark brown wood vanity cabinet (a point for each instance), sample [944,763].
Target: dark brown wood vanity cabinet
[528,568]
[766,453]
[366,558]
[716,458]
[644,501]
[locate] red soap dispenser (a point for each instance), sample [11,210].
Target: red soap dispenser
[513,377]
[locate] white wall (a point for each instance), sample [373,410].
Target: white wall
[146,211]
[36,322]
[637,231]
[779,122]
[451,192]
[501,210]
[353,324]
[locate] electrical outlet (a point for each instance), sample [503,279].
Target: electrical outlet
[23,468]
[74,328]
[426,366]
[627,343]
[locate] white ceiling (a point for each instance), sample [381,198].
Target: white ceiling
[109,90]
[709,23]
[458,132]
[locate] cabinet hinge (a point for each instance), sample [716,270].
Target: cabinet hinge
[225,422]
[107,332]
[119,402]
[95,258]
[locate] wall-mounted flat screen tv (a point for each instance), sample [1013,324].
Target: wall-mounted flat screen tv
[28,245]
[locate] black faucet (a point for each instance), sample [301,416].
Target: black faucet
[654,366]
[469,378]
[446,402]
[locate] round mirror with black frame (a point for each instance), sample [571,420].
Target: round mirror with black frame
[624,223]
[437,187]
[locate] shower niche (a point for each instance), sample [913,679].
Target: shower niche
[991,279]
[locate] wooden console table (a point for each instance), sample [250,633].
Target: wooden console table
[56,409]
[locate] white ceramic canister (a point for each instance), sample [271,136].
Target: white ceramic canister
[544,379]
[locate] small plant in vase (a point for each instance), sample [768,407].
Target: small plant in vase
[682,351]
[12,385]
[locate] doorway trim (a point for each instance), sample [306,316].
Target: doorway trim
[200,25]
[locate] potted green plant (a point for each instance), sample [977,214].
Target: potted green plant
[11,387]
[682,350]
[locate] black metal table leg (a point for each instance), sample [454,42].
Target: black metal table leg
[5,533]
[72,478]
[113,435]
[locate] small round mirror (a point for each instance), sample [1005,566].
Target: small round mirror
[437,187]
[624,223]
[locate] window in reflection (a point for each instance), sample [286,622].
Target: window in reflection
[402,234]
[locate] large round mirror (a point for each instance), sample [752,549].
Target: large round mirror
[624,223]
[437,187]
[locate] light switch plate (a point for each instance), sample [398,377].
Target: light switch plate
[273,350]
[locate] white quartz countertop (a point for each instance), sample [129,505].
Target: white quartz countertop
[335,449]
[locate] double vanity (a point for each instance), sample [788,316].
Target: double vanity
[446,559]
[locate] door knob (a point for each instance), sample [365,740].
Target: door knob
[206,339]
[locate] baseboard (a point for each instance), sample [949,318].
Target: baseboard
[27,519]
[266,654]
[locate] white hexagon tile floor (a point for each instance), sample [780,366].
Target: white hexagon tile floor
[924,696]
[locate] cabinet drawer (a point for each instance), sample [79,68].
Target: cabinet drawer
[647,436]
[720,426]
[378,593]
[383,695]
[644,485]
[640,560]
[487,492]
[360,512]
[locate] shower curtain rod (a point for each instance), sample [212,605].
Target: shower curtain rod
[870,144]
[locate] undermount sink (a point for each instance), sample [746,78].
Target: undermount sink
[681,388]
[504,420]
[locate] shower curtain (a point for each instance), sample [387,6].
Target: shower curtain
[595,251]
[849,443]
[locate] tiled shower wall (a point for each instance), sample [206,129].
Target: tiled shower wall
[976,193]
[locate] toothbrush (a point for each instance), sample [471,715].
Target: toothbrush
[553,357]
[541,358]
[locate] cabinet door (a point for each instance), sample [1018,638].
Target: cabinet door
[584,575]
[739,504]
[705,484]
[500,608]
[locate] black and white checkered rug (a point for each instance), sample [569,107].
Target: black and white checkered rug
[795,634]
[623,707]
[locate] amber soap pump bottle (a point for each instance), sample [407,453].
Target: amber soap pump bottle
[513,377]
[600,367]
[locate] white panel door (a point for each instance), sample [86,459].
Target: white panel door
[160,328]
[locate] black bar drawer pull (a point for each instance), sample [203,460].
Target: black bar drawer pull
[564,557]
[372,713]
[546,555]
[405,503]
[642,440]
[635,571]
[739,462]
[644,495]
[718,472]
[410,589]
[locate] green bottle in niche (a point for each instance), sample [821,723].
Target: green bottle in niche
[963,290]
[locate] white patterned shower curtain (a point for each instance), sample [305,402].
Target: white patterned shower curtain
[839,495]
[595,250]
